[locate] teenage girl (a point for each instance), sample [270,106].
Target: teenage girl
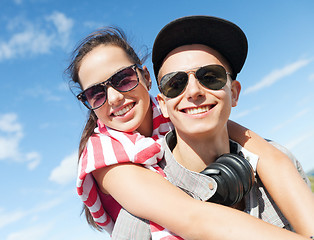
[122,105]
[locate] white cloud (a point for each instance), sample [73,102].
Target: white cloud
[66,171]
[8,123]
[11,134]
[18,2]
[33,38]
[276,75]
[9,147]
[63,25]
[30,41]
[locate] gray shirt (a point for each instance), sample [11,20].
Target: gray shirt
[258,202]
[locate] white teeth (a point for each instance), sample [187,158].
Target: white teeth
[197,110]
[124,110]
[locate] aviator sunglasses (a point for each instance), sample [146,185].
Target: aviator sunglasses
[213,77]
[123,81]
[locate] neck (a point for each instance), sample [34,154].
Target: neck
[146,127]
[197,153]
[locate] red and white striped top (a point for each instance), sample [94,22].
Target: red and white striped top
[107,147]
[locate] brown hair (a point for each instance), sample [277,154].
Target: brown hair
[106,36]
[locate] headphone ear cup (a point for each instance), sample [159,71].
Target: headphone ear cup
[222,192]
[229,188]
[242,167]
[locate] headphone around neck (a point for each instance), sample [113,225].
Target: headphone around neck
[234,176]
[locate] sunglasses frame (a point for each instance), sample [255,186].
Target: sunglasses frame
[188,72]
[82,97]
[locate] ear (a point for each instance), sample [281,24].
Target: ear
[235,92]
[146,75]
[162,103]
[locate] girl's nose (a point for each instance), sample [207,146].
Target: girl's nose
[114,97]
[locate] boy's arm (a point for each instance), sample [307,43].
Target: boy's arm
[148,195]
[281,179]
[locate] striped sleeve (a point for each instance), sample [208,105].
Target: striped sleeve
[160,233]
[108,147]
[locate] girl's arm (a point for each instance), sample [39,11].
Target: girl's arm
[281,179]
[148,195]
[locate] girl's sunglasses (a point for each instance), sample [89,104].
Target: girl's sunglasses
[123,81]
[213,77]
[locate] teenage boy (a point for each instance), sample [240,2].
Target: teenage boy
[196,61]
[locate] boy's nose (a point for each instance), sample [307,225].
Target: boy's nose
[193,89]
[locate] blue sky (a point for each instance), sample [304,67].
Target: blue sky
[41,121]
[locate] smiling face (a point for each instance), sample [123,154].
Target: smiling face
[198,111]
[127,111]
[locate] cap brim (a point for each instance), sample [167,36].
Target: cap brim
[223,36]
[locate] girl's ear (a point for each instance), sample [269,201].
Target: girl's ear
[148,80]
[162,105]
[235,92]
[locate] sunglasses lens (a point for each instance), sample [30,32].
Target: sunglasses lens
[172,84]
[95,96]
[213,77]
[125,80]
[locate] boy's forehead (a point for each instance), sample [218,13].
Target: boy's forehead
[191,56]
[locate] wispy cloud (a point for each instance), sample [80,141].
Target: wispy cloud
[93,25]
[277,75]
[33,38]
[66,171]
[64,87]
[33,159]
[12,217]
[307,100]
[11,134]
[42,93]
[311,77]
[291,119]
[299,140]
[9,217]
[245,112]
[36,232]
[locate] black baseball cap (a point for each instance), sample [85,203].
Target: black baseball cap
[223,36]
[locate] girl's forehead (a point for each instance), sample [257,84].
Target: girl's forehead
[109,54]
[101,63]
